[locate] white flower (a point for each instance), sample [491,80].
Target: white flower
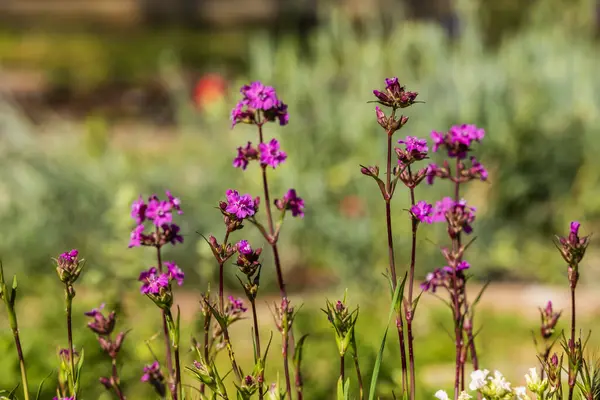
[500,383]
[464,396]
[441,395]
[532,378]
[521,393]
[535,383]
[478,379]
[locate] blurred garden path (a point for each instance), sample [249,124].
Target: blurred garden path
[504,298]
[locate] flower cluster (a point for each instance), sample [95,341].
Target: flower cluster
[248,258]
[441,277]
[258,105]
[458,215]
[343,321]
[69,266]
[395,95]
[465,172]
[457,140]
[269,154]
[154,281]
[160,214]
[494,387]
[415,149]
[573,247]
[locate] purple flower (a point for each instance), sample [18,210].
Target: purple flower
[175,202]
[414,144]
[291,201]
[433,280]
[422,211]
[69,257]
[175,272]
[259,98]
[138,211]
[159,211]
[244,247]
[100,324]
[463,265]
[441,208]
[477,170]
[236,305]
[270,153]
[245,154]
[431,173]
[150,371]
[458,139]
[152,281]
[549,320]
[95,311]
[415,150]
[137,236]
[154,376]
[573,248]
[241,206]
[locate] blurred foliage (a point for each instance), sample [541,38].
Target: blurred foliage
[537,94]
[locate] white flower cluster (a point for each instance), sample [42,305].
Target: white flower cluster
[496,387]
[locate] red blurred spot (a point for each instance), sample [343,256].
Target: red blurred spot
[209,88]
[352,207]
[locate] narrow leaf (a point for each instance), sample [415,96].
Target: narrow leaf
[377,367]
[39,391]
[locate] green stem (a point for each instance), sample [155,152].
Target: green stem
[69,294]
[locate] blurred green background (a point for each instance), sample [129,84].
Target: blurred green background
[92,114]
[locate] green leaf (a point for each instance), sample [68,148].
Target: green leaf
[78,371]
[340,389]
[39,391]
[480,293]
[298,351]
[397,294]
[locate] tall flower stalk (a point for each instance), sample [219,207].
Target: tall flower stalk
[459,217]
[258,106]
[572,248]
[395,97]
[9,298]
[157,280]
[68,268]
